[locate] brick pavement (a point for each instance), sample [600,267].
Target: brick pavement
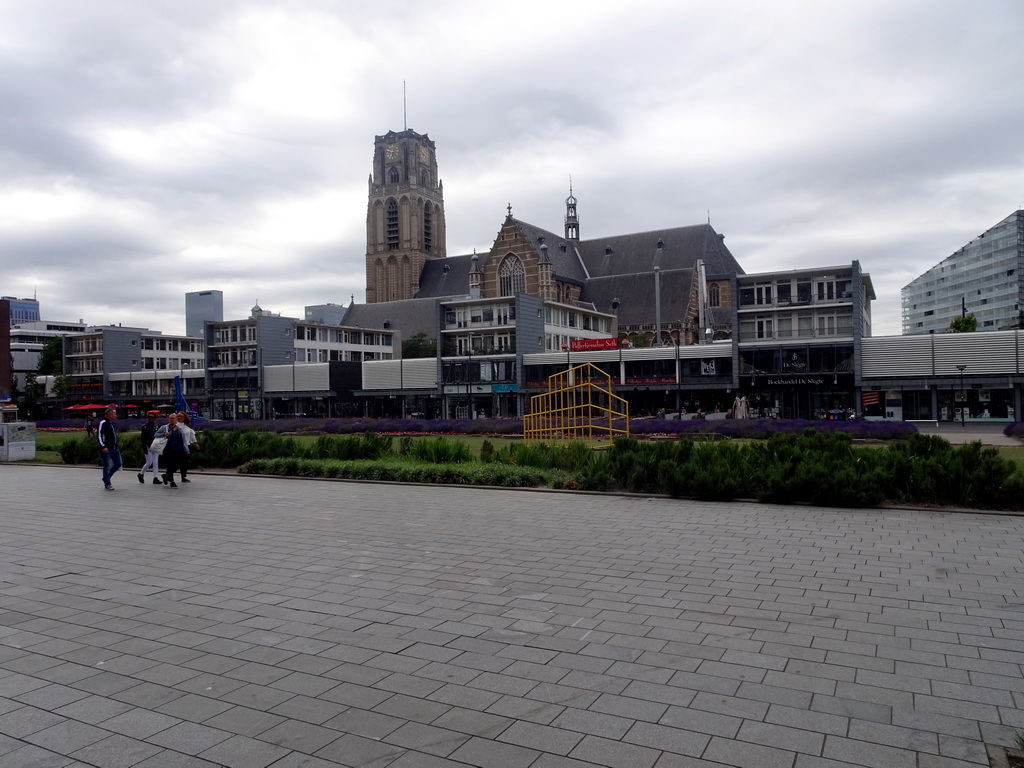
[253,622]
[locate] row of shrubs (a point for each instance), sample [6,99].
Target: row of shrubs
[813,466]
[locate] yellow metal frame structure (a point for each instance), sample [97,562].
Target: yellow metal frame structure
[579,405]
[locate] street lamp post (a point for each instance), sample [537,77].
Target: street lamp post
[963,394]
[182,365]
[469,385]
[679,377]
[657,306]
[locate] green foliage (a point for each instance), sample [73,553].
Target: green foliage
[571,456]
[418,345]
[365,445]
[968,324]
[927,468]
[440,450]
[85,450]
[813,467]
[51,357]
[718,472]
[404,472]
[61,386]
[230,449]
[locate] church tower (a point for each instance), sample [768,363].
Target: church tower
[405,215]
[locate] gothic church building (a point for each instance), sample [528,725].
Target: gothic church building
[690,267]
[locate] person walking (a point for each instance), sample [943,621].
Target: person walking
[106,436]
[152,457]
[89,426]
[185,425]
[176,451]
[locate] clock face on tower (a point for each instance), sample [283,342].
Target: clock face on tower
[424,155]
[391,152]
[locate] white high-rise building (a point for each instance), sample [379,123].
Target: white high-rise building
[984,277]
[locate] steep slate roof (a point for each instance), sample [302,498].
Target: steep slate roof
[627,273]
[635,293]
[567,266]
[435,283]
[683,246]
[410,316]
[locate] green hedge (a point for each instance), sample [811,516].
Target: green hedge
[410,472]
[813,467]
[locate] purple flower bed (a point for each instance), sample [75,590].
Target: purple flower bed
[761,429]
[1016,429]
[738,428]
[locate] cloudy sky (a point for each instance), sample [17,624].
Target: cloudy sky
[152,148]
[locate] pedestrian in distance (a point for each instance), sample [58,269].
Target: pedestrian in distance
[110,454]
[175,452]
[152,456]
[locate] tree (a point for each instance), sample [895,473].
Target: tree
[60,387]
[51,359]
[31,395]
[638,340]
[967,324]
[418,346]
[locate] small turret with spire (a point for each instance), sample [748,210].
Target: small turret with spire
[572,222]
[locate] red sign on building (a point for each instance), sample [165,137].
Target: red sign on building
[586,344]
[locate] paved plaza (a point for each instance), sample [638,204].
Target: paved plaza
[252,622]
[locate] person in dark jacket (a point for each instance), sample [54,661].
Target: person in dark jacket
[152,459]
[106,436]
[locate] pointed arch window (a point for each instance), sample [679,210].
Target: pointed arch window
[714,296]
[511,276]
[392,225]
[394,176]
[392,291]
[428,227]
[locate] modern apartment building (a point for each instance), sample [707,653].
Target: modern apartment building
[984,278]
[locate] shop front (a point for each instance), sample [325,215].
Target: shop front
[827,397]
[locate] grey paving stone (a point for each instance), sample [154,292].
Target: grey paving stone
[189,738]
[427,738]
[781,737]
[868,753]
[243,752]
[653,612]
[361,722]
[116,752]
[358,751]
[528,710]
[24,721]
[67,737]
[733,752]
[194,708]
[31,756]
[615,754]
[139,723]
[702,722]
[664,738]
[299,736]
[485,753]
